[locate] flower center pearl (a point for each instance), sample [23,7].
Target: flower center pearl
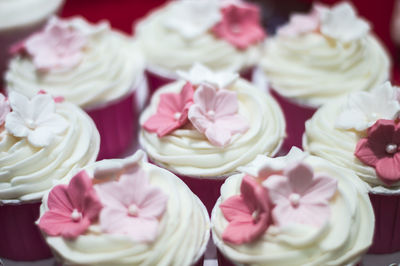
[255,215]
[391,148]
[294,199]
[76,216]
[177,115]
[133,210]
[211,114]
[30,123]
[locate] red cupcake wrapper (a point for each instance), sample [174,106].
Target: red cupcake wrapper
[156,80]
[20,238]
[296,115]
[223,261]
[117,124]
[387,223]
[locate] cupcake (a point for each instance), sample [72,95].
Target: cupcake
[125,212]
[222,35]
[205,125]
[42,141]
[319,57]
[361,134]
[292,210]
[92,66]
[18,19]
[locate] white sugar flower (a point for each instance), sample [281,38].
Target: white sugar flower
[191,18]
[34,119]
[363,109]
[199,74]
[264,166]
[342,23]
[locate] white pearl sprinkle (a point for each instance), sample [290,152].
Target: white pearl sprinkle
[133,210]
[391,148]
[177,115]
[294,199]
[76,216]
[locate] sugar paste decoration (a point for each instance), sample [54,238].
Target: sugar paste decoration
[363,108]
[339,22]
[72,208]
[58,46]
[172,112]
[206,102]
[248,214]
[118,198]
[240,25]
[380,149]
[283,191]
[35,119]
[236,22]
[132,206]
[215,114]
[300,197]
[199,74]
[4,109]
[263,166]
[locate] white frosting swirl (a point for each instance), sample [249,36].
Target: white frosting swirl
[186,151]
[313,69]
[27,172]
[183,232]
[342,241]
[19,13]
[169,50]
[112,66]
[324,139]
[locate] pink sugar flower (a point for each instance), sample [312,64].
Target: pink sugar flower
[247,213]
[72,208]
[300,24]
[380,149]
[57,46]
[299,197]
[132,206]
[215,114]
[240,25]
[172,112]
[4,109]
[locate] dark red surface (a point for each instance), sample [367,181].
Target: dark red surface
[295,116]
[117,124]
[20,238]
[387,224]
[120,13]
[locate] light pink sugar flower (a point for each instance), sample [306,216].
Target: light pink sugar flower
[132,206]
[172,112]
[58,46]
[300,197]
[240,25]
[248,214]
[4,109]
[215,114]
[72,208]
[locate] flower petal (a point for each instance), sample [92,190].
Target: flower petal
[16,125]
[364,152]
[279,189]
[239,232]
[235,209]
[388,169]
[226,103]
[322,189]
[153,204]
[198,119]
[300,177]
[205,98]
[161,124]
[59,201]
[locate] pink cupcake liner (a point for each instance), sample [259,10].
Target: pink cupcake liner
[117,124]
[387,223]
[296,115]
[156,80]
[20,238]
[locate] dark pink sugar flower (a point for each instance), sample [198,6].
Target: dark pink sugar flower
[247,213]
[240,25]
[380,149]
[172,112]
[72,208]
